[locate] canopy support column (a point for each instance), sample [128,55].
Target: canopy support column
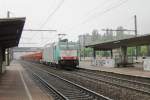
[124,55]
[94,53]
[2,59]
[111,53]
[7,57]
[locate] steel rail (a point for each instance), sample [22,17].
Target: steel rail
[48,86]
[94,94]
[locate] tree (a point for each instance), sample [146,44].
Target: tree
[143,51]
[120,33]
[109,35]
[95,35]
[87,52]
[131,51]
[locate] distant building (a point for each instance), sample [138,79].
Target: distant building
[107,36]
[84,40]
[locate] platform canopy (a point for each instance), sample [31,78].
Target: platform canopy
[129,42]
[10,31]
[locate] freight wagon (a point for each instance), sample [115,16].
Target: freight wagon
[62,54]
[34,57]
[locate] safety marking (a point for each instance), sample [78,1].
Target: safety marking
[26,88]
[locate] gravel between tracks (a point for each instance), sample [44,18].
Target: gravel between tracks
[115,92]
[70,90]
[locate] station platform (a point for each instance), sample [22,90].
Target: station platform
[134,71]
[15,84]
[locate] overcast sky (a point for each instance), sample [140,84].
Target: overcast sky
[75,17]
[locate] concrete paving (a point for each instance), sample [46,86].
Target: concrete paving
[134,71]
[15,84]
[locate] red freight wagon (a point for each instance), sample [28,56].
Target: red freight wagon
[33,57]
[37,56]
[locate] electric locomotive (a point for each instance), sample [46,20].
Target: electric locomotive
[62,54]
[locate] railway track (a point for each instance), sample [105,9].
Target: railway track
[67,90]
[56,94]
[117,75]
[122,82]
[98,83]
[143,87]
